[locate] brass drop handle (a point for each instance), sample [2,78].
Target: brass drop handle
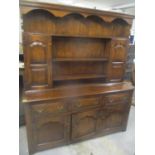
[40,111]
[37,43]
[60,107]
[78,104]
[125,98]
[110,100]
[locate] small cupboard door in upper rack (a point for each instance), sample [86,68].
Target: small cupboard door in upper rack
[118,52]
[37,56]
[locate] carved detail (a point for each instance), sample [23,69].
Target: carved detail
[37,43]
[59,13]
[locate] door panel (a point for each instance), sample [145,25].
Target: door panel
[84,124]
[37,56]
[119,50]
[117,72]
[51,131]
[38,77]
[111,117]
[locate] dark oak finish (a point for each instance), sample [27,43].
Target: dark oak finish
[74,69]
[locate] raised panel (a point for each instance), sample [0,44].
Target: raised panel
[117,72]
[111,117]
[37,52]
[38,77]
[119,49]
[51,131]
[84,124]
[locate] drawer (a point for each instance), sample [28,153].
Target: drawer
[116,108]
[50,108]
[85,102]
[118,98]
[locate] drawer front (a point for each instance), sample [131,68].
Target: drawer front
[119,98]
[50,108]
[85,102]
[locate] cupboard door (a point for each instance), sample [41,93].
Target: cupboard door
[37,56]
[84,124]
[116,66]
[119,50]
[112,117]
[50,131]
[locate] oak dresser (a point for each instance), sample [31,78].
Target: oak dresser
[74,70]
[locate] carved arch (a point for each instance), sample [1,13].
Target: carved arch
[119,20]
[61,14]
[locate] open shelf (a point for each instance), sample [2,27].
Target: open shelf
[78,59]
[76,77]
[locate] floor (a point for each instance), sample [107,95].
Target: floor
[115,144]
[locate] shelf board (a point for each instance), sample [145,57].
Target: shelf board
[78,59]
[76,77]
[86,36]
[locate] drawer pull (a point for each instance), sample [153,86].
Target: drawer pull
[111,100]
[125,98]
[119,99]
[60,108]
[79,105]
[40,111]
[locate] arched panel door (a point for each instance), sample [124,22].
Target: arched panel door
[50,131]
[84,125]
[37,55]
[119,50]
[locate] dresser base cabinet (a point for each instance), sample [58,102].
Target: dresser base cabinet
[57,122]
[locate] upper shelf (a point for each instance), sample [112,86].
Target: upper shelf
[79,59]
